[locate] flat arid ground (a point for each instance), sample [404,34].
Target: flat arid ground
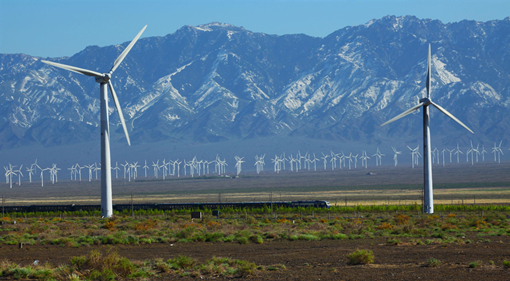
[303,259]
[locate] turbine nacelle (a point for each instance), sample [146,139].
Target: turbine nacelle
[425,101]
[104,78]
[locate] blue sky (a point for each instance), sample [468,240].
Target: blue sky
[54,28]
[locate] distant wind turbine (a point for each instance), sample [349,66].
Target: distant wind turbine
[428,199]
[395,156]
[104,80]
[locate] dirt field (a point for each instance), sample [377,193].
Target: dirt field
[304,260]
[312,260]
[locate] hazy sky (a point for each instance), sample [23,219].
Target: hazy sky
[54,28]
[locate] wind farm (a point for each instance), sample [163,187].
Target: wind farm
[240,154]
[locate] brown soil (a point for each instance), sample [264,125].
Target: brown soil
[311,260]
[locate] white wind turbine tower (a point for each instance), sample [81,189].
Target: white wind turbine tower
[259,164]
[6,175]
[9,173]
[443,151]
[451,151]
[135,170]
[315,162]
[239,161]
[104,80]
[413,155]
[71,171]
[291,162]
[178,168]
[79,169]
[35,166]
[470,151]
[341,159]
[350,159]
[379,156]
[96,168]
[20,174]
[90,167]
[308,161]
[145,167]
[500,152]
[116,168]
[395,155]
[333,160]
[126,171]
[458,152]
[483,153]
[30,172]
[42,174]
[156,168]
[428,199]
[364,159]
[325,159]
[53,173]
[435,152]
[497,150]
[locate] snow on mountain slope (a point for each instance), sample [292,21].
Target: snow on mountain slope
[217,82]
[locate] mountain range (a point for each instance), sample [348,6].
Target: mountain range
[218,82]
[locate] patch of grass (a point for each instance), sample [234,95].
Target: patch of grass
[475,264]
[242,240]
[433,262]
[257,239]
[506,264]
[308,237]
[182,262]
[360,257]
[393,241]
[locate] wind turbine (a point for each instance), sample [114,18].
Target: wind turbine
[428,199]
[458,152]
[104,81]
[30,172]
[395,156]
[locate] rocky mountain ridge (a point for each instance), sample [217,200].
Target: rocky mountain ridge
[218,82]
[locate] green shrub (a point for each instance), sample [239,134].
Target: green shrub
[475,264]
[308,237]
[228,238]
[21,273]
[182,262]
[393,241]
[339,236]
[360,257]
[293,237]
[213,237]
[242,240]
[506,264]
[433,262]
[257,239]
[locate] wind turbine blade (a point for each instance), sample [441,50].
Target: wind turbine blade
[126,51]
[450,115]
[407,112]
[74,69]
[117,105]
[428,75]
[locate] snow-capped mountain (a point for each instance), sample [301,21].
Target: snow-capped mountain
[218,82]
